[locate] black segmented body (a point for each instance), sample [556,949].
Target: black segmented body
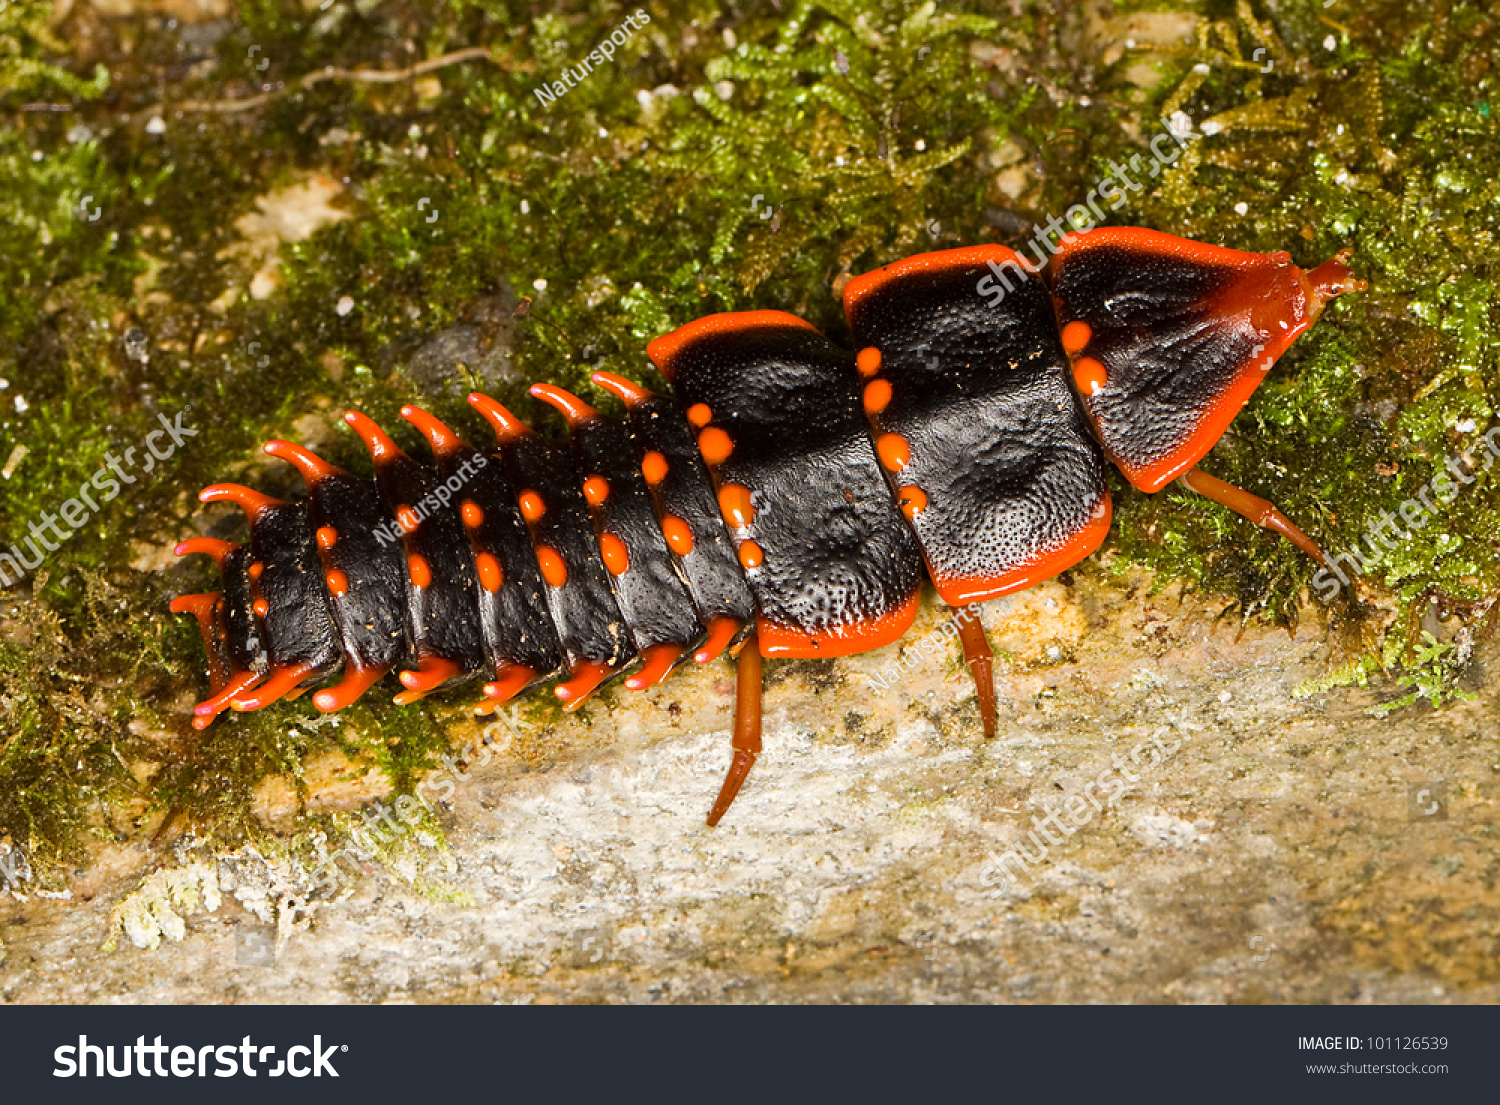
[790,487]
[652,593]
[712,573]
[374,631]
[514,618]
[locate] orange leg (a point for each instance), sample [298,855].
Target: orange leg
[1257,510]
[509,682]
[238,684]
[585,680]
[981,661]
[206,609]
[356,682]
[720,632]
[746,740]
[282,682]
[656,665]
[432,672]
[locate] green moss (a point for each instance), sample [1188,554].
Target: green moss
[871,129]
[26,42]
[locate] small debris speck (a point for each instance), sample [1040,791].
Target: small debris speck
[17,455]
[345,305]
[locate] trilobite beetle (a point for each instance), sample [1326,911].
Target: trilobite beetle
[786,501]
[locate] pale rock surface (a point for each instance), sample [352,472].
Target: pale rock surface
[1272,855]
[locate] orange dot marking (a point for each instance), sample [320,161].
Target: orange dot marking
[532,506]
[262,607]
[490,575]
[616,557]
[1076,335]
[734,503]
[596,490]
[256,569]
[1089,375]
[715,445]
[868,361]
[654,467]
[473,513]
[877,396]
[407,519]
[913,501]
[421,574]
[678,533]
[750,554]
[700,415]
[327,537]
[554,571]
[337,581]
[895,454]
